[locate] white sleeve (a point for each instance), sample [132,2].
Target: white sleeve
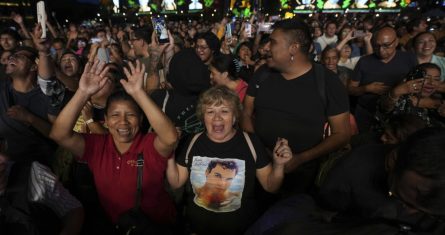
[43,187]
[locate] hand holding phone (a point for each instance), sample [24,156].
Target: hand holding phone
[358,34]
[160,29]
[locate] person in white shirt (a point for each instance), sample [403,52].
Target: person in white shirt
[329,37]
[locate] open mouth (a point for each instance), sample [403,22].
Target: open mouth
[123,131]
[218,128]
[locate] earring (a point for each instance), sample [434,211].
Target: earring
[291,58]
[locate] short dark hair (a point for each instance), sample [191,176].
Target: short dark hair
[424,153]
[421,34]
[211,39]
[243,44]
[12,33]
[226,63]
[231,165]
[298,31]
[404,125]
[414,23]
[327,49]
[31,50]
[144,34]
[121,95]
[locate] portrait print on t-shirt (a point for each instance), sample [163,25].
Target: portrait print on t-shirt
[218,184]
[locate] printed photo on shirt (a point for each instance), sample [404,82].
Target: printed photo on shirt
[218,184]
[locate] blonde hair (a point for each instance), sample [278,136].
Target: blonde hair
[217,95]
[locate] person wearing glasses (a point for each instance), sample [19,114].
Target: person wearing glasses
[375,74]
[33,201]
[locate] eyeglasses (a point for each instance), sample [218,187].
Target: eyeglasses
[385,46]
[19,56]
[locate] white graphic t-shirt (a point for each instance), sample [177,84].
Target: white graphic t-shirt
[218,184]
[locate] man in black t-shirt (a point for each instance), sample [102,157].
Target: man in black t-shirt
[375,74]
[287,103]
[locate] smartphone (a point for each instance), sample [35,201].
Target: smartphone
[228,34]
[160,29]
[265,27]
[248,29]
[358,33]
[41,17]
[96,40]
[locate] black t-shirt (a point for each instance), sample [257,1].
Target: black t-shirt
[371,69]
[25,143]
[180,108]
[357,184]
[293,109]
[222,200]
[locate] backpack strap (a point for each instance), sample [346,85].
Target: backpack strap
[189,148]
[249,142]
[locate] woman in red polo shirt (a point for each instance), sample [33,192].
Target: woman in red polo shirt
[112,157]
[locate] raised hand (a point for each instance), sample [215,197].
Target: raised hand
[17,18]
[135,78]
[281,152]
[93,78]
[39,43]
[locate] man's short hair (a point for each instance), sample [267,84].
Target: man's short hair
[14,34]
[414,23]
[231,165]
[144,34]
[298,32]
[33,52]
[424,153]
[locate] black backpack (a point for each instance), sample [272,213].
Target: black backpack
[20,216]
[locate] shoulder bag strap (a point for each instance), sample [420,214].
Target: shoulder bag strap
[140,166]
[189,148]
[249,142]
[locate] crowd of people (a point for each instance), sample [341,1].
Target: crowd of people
[320,125]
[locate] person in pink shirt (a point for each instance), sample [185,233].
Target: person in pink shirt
[223,71]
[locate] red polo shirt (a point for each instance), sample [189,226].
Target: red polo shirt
[115,176]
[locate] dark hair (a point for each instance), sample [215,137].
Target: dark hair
[414,23]
[31,50]
[12,33]
[212,41]
[243,44]
[403,125]
[231,165]
[424,153]
[121,95]
[144,34]
[328,23]
[226,63]
[298,31]
[420,70]
[327,49]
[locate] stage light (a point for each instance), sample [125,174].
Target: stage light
[98,14]
[66,20]
[123,13]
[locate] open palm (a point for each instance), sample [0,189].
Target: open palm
[93,77]
[135,78]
